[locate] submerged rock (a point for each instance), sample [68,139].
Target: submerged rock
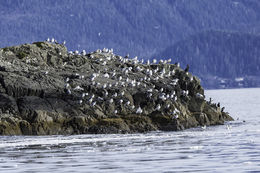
[44,90]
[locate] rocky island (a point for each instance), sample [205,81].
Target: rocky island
[46,90]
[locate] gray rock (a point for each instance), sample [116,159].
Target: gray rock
[44,89]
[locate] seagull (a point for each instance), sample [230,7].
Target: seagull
[113,74]
[204,127]
[198,95]
[150,72]
[104,86]
[92,78]
[93,104]
[115,111]
[111,101]
[106,75]
[158,107]
[67,85]
[78,88]
[185,93]
[163,71]
[68,91]
[150,90]
[139,110]
[139,68]
[84,52]
[114,95]
[176,116]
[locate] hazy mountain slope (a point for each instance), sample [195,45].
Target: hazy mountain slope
[218,53]
[145,28]
[137,27]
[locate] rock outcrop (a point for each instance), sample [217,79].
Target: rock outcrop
[44,90]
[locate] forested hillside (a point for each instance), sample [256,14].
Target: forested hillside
[221,54]
[143,28]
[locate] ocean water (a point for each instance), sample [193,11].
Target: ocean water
[233,147]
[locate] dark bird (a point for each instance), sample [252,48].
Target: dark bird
[218,104]
[222,109]
[187,68]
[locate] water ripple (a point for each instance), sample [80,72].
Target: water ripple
[233,147]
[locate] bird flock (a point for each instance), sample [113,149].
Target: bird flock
[115,77]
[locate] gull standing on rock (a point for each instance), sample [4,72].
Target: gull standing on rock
[158,107]
[139,110]
[111,101]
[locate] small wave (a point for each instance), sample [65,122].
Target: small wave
[196,147]
[42,141]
